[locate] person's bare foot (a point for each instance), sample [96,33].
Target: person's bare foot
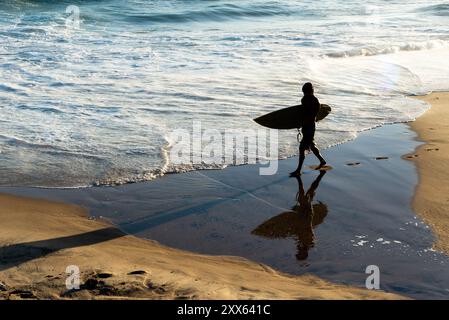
[322,164]
[295,173]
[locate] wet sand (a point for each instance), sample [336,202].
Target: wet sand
[431,201]
[40,239]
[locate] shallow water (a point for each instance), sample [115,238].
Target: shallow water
[362,215]
[96,104]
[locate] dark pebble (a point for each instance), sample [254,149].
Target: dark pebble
[3,287]
[24,294]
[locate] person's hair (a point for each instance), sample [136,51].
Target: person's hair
[307,88]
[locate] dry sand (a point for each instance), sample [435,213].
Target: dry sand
[431,200]
[39,239]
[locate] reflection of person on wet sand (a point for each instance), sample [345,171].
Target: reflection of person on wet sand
[298,223]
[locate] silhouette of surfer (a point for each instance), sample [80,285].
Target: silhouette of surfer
[299,222]
[311,107]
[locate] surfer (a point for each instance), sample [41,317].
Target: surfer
[311,107]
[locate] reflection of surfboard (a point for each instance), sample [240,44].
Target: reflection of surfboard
[291,223]
[289,118]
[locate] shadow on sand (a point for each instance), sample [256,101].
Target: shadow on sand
[16,254]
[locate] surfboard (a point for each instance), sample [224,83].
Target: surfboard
[289,118]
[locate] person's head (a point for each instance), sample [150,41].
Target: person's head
[307,88]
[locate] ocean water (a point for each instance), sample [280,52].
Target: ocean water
[94,101]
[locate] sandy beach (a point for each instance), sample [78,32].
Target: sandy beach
[431,199]
[39,239]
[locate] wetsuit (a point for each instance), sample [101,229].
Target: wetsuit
[311,107]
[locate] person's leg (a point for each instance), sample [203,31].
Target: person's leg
[317,153]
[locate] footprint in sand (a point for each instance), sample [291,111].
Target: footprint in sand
[323,168]
[412,156]
[353,164]
[433,149]
[137,272]
[381,158]
[159,289]
[23,294]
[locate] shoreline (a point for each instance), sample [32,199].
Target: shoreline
[158,175]
[431,198]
